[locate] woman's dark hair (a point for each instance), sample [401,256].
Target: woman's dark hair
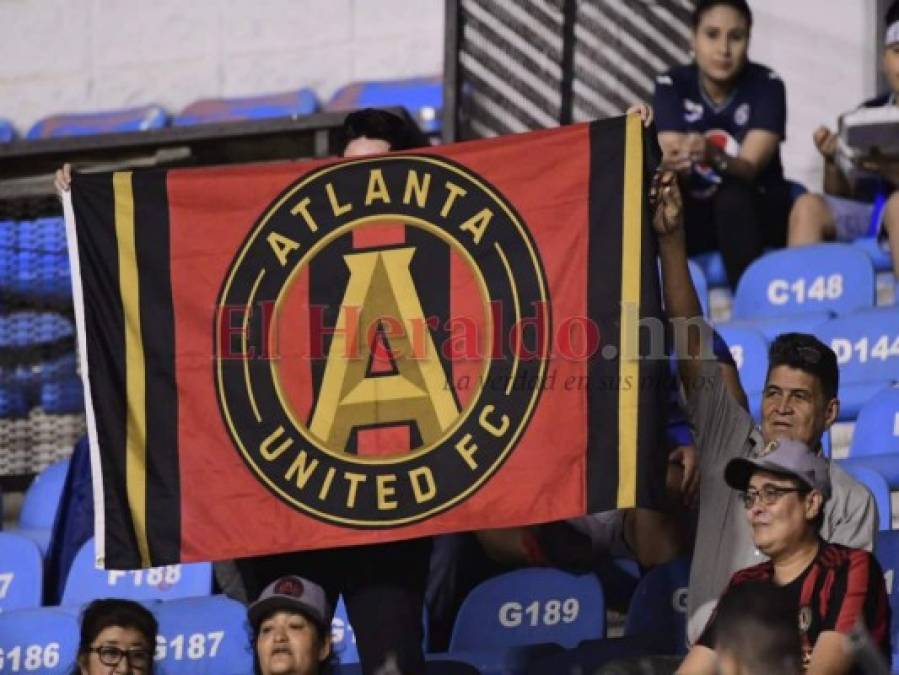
[892,15]
[377,124]
[101,614]
[703,6]
[326,667]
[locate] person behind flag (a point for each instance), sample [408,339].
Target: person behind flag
[721,120]
[862,203]
[117,636]
[799,402]
[291,629]
[383,585]
[831,589]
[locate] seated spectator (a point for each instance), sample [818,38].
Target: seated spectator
[755,631]
[721,120]
[862,203]
[291,629]
[830,588]
[799,402]
[117,636]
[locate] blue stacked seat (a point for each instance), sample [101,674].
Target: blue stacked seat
[41,504]
[7,131]
[203,635]
[798,289]
[287,104]
[85,582]
[867,348]
[142,118]
[421,96]
[41,640]
[21,573]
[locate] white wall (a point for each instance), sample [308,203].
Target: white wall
[65,55]
[824,51]
[82,55]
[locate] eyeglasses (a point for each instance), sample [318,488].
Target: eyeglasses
[111,656]
[769,494]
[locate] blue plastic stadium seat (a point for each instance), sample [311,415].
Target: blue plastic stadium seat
[867,348]
[13,400]
[877,484]
[772,326]
[287,104]
[21,573]
[880,257]
[85,582]
[42,640]
[343,637]
[64,396]
[750,351]
[700,284]
[826,277]
[877,427]
[7,131]
[887,552]
[200,636]
[712,265]
[530,606]
[421,96]
[142,118]
[41,504]
[659,605]
[435,664]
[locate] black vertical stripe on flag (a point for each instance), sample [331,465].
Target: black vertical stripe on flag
[94,203]
[152,241]
[655,371]
[606,202]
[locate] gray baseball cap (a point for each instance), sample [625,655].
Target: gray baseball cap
[293,594]
[790,458]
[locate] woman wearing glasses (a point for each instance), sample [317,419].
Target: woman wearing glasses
[833,589]
[117,637]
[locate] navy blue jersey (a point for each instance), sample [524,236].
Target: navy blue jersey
[758,101]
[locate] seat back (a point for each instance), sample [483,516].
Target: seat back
[421,96]
[85,582]
[866,344]
[42,640]
[7,131]
[750,351]
[659,605]
[42,497]
[879,488]
[142,118]
[834,277]
[21,573]
[530,606]
[887,552]
[343,637]
[287,104]
[199,636]
[877,427]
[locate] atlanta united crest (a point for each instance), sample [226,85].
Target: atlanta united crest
[381,340]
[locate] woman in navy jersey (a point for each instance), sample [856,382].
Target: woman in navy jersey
[721,120]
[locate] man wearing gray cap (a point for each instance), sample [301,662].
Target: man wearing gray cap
[291,628]
[834,589]
[799,402]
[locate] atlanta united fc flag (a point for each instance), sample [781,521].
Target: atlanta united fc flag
[307,355]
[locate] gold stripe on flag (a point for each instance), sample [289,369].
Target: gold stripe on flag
[628,363]
[135,373]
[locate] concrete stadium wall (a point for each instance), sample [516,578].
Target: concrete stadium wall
[59,55]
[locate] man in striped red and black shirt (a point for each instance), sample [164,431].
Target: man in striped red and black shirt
[834,589]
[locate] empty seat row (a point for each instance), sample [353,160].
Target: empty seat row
[421,96]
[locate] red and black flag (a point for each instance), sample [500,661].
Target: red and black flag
[316,354]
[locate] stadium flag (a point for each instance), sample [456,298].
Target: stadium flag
[314,354]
